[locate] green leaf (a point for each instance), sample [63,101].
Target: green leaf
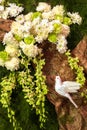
[29,40]
[52,37]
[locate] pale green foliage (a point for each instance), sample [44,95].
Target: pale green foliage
[34,87]
[7,84]
[73,62]
[41,90]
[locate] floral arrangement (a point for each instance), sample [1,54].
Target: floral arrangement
[21,52]
[33,28]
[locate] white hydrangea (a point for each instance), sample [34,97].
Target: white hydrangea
[75,17]
[27,26]
[12,64]
[39,38]
[55,21]
[61,39]
[62,44]
[14,10]
[48,15]
[20,19]
[43,7]
[9,39]
[5,14]
[58,10]
[42,31]
[36,21]
[29,50]
[17,28]
[62,48]
[12,50]
[42,35]
[28,17]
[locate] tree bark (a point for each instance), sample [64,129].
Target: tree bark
[4,27]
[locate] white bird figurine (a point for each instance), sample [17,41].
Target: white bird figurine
[66,87]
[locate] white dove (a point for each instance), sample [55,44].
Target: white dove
[66,87]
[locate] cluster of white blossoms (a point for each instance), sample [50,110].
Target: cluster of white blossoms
[47,23]
[11,10]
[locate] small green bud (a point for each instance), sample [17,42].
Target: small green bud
[18,38]
[29,40]
[59,17]
[57,28]
[67,21]
[52,37]
[3,55]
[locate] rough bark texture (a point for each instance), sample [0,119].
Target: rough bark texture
[4,27]
[69,117]
[81,52]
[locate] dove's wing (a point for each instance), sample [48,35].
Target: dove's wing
[71,86]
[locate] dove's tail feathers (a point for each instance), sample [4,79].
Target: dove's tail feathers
[71,100]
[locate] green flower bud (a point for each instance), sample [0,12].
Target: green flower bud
[67,21]
[52,37]
[29,40]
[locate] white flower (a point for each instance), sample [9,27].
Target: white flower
[36,21]
[11,50]
[43,7]
[55,21]
[17,28]
[29,50]
[22,45]
[75,17]
[62,39]
[42,31]
[14,10]
[62,44]
[20,19]
[12,64]
[1,8]
[58,10]
[28,17]
[27,26]
[65,30]
[61,47]
[5,14]
[50,27]
[48,15]
[39,39]
[9,39]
